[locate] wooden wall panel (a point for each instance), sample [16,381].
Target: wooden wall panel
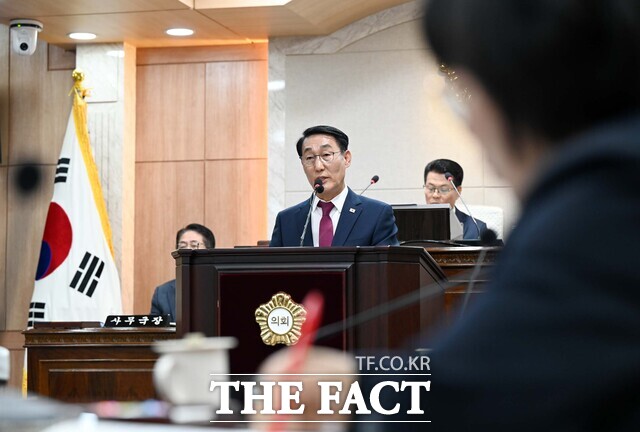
[171,125]
[4,147]
[236,124]
[4,93]
[14,341]
[39,108]
[25,225]
[61,59]
[177,180]
[127,267]
[236,201]
[3,244]
[205,54]
[38,111]
[168,196]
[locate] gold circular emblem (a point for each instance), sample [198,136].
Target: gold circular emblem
[280,320]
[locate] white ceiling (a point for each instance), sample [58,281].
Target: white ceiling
[142,23]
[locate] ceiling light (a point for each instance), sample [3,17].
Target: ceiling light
[82,36]
[179,32]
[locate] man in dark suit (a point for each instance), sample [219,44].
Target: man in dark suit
[438,190]
[339,217]
[193,236]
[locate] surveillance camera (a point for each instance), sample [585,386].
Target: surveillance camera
[24,35]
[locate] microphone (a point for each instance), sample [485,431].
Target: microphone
[318,188]
[449,178]
[374,180]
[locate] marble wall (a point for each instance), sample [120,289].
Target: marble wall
[108,73]
[102,65]
[375,80]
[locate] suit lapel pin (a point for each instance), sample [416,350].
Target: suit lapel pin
[352,210]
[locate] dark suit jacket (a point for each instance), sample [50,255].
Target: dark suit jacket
[370,224]
[554,342]
[164,300]
[470,231]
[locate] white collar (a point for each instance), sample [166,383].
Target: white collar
[338,200]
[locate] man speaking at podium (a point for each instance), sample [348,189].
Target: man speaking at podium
[334,215]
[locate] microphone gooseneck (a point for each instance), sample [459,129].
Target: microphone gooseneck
[449,178]
[373,181]
[487,238]
[318,188]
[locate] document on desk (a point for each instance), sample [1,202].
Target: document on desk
[457,230]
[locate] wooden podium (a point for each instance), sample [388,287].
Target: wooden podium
[218,292]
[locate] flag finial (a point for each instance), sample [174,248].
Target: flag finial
[78,75]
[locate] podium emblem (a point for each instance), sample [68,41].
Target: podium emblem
[280,320]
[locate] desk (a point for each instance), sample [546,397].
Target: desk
[93,364]
[458,263]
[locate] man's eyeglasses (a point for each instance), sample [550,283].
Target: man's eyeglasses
[442,190]
[326,158]
[193,244]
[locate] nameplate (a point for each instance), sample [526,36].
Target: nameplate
[137,321]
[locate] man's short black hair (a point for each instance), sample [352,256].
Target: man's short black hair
[553,67]
[442,166]
[340,137]
[207,235]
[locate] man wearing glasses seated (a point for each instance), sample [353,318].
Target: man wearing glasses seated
[339,217]
[193,236]
[438,190]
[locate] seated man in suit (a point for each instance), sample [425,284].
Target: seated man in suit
[193,236]
[438,190]
[339,217]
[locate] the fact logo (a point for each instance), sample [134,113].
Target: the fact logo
[331,393]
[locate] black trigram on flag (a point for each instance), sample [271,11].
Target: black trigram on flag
[62,170]
[88,274]
[36,313]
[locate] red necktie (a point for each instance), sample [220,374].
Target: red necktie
[326,225]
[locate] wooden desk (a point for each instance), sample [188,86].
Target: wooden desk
[93,364]
[458,264]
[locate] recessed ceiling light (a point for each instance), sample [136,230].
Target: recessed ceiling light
[179,32]
[82,36]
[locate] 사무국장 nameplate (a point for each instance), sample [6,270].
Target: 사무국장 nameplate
[137,321]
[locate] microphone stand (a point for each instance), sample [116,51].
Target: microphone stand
[306,222]
[450,179]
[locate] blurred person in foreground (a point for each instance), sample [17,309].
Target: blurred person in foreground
[554,343]
[314,369]
[193,236]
